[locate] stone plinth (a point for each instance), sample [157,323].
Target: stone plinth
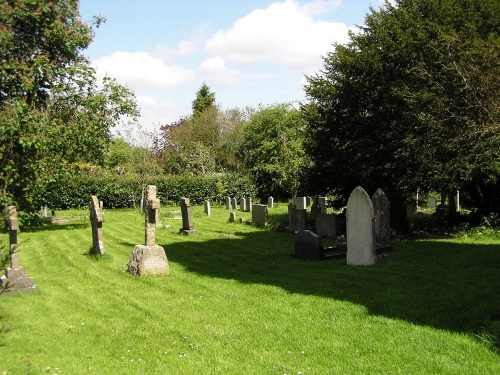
[148,260]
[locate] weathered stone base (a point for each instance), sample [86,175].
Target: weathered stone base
[17,280]
[187,232]
[148,260]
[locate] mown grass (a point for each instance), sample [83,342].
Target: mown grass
[236,302]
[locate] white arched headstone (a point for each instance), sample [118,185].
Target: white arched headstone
[360,229]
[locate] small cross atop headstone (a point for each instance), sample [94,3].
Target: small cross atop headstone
[96,217]
[151,216]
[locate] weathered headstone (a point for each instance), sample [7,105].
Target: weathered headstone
[308,245]
[300,202]
[432,203]
[360,229]
[228,203]
[232,217]
[207,208]
[17,278]
[243,204]
[234,203]
[270,202]
[259,214]
[382,212]
[326,225]
[296,218]
[322,204]
[249,204]
[187,222]
[96,217]
[315,208]
[149,259]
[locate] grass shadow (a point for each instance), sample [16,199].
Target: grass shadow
[445,285]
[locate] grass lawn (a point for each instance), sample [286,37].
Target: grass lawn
[236,302]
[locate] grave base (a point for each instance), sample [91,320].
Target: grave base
[148,260]
[18,280]
[187,232]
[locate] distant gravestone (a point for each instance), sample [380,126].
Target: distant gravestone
[232,217]
[296,218]
[308,246]
[326,225]
[300,202]
[432,203]
[187,222]
[243,204]
[322,204]
[315,208]
[382,212]
[16,278]
[249,204]
[259,214]
[270,202]
[207,208]
[228,203]
[149,259]
[360,229]
[234,202]
[96,217]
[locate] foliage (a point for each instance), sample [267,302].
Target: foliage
[52,112]
[272,149]
[204,100]
[410,102]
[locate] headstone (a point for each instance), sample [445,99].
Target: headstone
[326,225]
[296,218]
[207,208]
[249,204]
[360,229]
[259,214]
[315,208]
[270,202]
[432,203]
[382,212]
[300,203]
[149,259]
[96,217]
[243,204]
[44,212]
[232,217]
[187,222]
[308,246]
[17,278]
[235,203]
[228,203]
[322,204]
[141,206]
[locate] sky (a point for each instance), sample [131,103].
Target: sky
[249,52]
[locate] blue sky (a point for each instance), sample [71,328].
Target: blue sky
[249,52]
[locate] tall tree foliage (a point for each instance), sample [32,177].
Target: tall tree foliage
[410,102]
[204,100]
[52,112]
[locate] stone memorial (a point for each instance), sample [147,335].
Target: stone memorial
[207,208]
[259,214]
[187,222]
[308,246]
[232,217]
[149,259]
[326,225]
[360,229]
[96,216]
[228,203]
[296,218]
[249,204]
[382,212]
[432,203]
[16,277]
[270,202]
[300,203]
[243,204]
[322,201]
[315,208]
[234,204]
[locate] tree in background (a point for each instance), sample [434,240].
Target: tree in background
[204,100]
[410,102]
[52,113]
[272,149]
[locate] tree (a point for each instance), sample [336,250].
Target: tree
[402,106]
[272,149]
[52,112]
[204,100]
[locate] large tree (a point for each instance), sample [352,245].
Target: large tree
[410,102]
[52,110]
[205,99]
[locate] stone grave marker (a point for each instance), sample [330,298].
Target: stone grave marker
[232,217]
[234,202]
[249,204]
[326,225]
[308,246]
[432,203]
[149,259]
[17,278]
[322,203]
[382,212]
[259,214]
[228,203]
[243,204]
[96,218]
[360,229]
[315,208]
[270,202]
[296,218]
[300,203]
[187,221]
[207,208]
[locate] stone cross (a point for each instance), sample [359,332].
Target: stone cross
[151,215]
[13,228]
[96,220]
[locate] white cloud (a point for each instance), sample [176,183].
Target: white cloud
[215,70]
[141,70]
[284,32]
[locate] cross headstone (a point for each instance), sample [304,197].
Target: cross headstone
[96,218]
[149,259]
[382,212]
[259,214]
[187,222]
[270,202]
[207,208]
[360,229]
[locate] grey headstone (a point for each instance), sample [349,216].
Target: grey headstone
[151,215]
[207,208]
[326,225]
[270,202]
[232,217]
[228,203]
[96,218]
[300,202]
[382,212]
[187,222]
[432,203]
[259,214]
[308,246]
[243,204]
[296,218]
